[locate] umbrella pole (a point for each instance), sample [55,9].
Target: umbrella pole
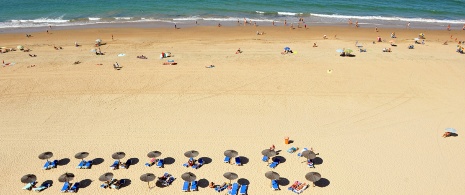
[148,184]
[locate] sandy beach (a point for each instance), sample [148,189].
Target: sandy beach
[376,119]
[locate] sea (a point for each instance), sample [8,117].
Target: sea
[428,14]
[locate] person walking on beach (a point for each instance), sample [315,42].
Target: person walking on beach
[463,25]
[285,22]
[376,29]
[350,21]
[112,37]
[175,27]
[356,23]
[408,25]
[463,28]
[448,27]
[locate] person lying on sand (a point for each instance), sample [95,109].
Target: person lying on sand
[32,55]
[211,66]
[238,51]
[211,185]
[446,134]
[314,45]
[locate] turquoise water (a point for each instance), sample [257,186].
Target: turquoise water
[31,13]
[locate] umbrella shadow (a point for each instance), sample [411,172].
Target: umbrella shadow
[278,151]
[244,160]
[84,183]
[63,161]
[169,160]
[47,182]
[243,181]
[206,160]
[291,141]
[133,161]
[97,161]
[280,158]
[160,184]
[283,181]
[323,182]
[127,182]
[454,134]
[318,161]
[203,183]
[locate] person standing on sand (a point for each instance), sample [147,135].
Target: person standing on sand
[463,25]
[112,37]
[285,22]
[376,29]
[448,27]
[350,21]
[463,28]
[356,23]
[175,27]
[408,25]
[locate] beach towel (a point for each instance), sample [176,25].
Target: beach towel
[121,54]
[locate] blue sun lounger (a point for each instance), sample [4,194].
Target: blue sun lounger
[243,190]
[199,164]
[88,165]
[275,163]
[128,163]
[47,165]
[238,161]
[194,186]
[185,186]
[115,165]
[28,186]
[274,185]
[221,188]
[234,189]
[160,163]
[81,164]
[265,159]
[227,159]
[41,187]
[65,187]
[75,188]
[169,181]
[53,164]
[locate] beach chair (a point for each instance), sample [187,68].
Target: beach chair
[194,186]
[300,188]
[294,186]
[47,165]
[238,161]
[234,189]
[75,188]
[227,159]
[243,190]
[117,184]
[29,186]
[151,163]
[265,159]
[41,187]
[127,164]
[274,185]
[310,164]
[81,164]
[199,164]
[221,187]
[53,164]
[185,187]
[292,150]
[65,187]
[300,154]
[115,165]
[274,163]
[88,165]
[160,163]
[169,181]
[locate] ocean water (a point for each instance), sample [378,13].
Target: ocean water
[425,13]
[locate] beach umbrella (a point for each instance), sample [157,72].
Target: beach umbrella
[348,51]
[416,39]
[29,178]
[230,176]
[309,154]
[269,153]
[153,154]
[148,177]
[339,50]
[230,153]
[313,177]
[287,48]
[188,176]
[81,155]
[66,177]
[98,40]
[20,47]
[272,175]
[191,154]
[106,177]
[451,130]
[45,155]
[118,155]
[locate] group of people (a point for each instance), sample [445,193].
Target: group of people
[142,57]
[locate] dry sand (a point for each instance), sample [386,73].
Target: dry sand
[376,119]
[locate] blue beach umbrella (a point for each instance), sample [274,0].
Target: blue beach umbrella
[339,50]
[451,130]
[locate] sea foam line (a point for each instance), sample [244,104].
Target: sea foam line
[390,18]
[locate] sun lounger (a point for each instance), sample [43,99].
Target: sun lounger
[160,163]
[299,189]
[234,189]
[227,159]
[185,187]
[199,164]
[29,186]
[75,188]
[47,165]
[194,186]
[41,187]
[169,181]
[294,186]
[274,185]
[115,165]
[65,187]
[53,164]
[310,163]
[265,159]
[126,165]
[292,150]
[274,163]
[243,190]
[151,163]
[88,165]
[81,164]
[117,184]
[238,161]
[170,63]
[221,188]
